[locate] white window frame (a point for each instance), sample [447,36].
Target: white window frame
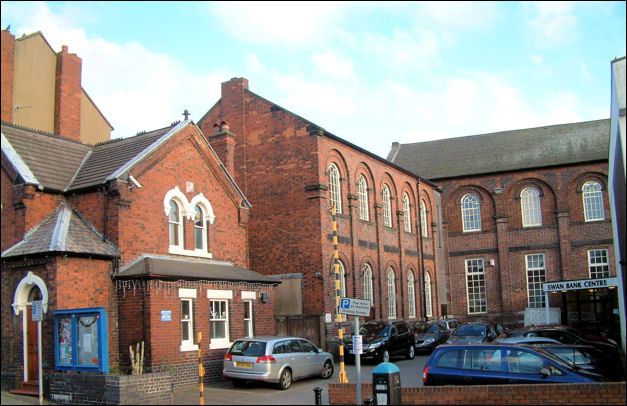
[471,213]
[387,206]
[406,213]
[188,295]
[535,265]
[428,304]
[598,263]
[342,272]
[335,188]
[593,207]
[530,207]
[423,219]
[364,211]
[222,296]
[367,275]
[175,225]
[248,321]
[411,295]
[476,295]
[391,286]
[202,228]
[187,211]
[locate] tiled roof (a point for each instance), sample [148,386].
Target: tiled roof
[63,231]
[539,147]
[190,268]
[52,160]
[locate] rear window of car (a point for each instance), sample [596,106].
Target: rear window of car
[450,359]
[483,359]
[470,330]
[248,348]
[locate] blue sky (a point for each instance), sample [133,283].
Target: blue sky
[371,73]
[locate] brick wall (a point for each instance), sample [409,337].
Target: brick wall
[8,66]
[611,393]
[92,389]
[67,106]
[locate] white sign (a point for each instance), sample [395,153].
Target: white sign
[580,284]
[354,307]
[358,347]
[38,311]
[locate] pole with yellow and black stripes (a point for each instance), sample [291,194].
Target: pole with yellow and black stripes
[336,265]
[201,371]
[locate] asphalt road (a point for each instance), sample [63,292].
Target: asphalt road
[301,392]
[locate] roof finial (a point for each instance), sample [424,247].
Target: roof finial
[186,114]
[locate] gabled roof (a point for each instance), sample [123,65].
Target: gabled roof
[63,231]
[191,269]
[505,151]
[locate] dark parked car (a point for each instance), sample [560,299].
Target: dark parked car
[565,335]
[475,332]
[451,324]
[428,335]
[588,358]
[494,364]
[382,340]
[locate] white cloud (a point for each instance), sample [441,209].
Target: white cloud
[457,15]
[552,22]
[254,64]
[334,65]
[292,24]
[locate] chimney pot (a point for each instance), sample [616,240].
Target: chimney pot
[224,126]
[64,48]
[216,128]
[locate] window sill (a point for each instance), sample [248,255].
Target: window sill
[188,347]
[172,249]
[221,344]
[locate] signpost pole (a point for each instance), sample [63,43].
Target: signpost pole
[357,361]
[41,381]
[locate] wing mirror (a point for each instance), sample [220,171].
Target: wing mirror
[545,372]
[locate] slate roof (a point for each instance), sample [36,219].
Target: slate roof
[63,231]
[505,151]
[191,268]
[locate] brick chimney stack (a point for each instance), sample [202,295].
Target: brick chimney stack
[67,106]
[223,143]
[8,66]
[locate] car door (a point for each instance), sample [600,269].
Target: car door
[525,367]
[311,362]
[484,366]
[298,359]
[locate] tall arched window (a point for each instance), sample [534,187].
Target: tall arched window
[368,283]
[387,207]
[406,213]
[471,213]
[593,208]
[391,294]
[175,224]
[530,207]
[200,229]
[411,295]
[428,306]
[423,219]
[335,192]
[342,275]
[364,213]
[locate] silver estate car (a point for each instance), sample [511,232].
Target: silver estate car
[279,360]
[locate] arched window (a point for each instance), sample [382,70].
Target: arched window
[364,213]
[406,213]
[428,306]
[200,230]
[391,294]
[368,284]
[593,202]
[411,295]
[423,219]
[530,207]
[335,191]
[471,213]
[342,276]
[175,224]
[387,207]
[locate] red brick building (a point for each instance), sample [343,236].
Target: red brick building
[521,208]
[293,171]
[142,239]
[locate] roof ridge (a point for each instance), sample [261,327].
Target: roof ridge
[139,134]
[42,132]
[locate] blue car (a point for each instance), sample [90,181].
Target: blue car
[494,364]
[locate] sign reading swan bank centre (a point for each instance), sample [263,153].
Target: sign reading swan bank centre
[580,284]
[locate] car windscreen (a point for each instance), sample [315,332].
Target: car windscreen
[374,330]
[248,348]
[432,329]
[469,330]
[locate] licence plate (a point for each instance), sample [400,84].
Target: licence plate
[243,364]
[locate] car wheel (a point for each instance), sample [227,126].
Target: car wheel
[327,370]
[286,379]
[410,352]
[385,356]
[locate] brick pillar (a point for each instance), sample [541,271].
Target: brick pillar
[563,228]
[67,106]
[8,65]
[502,264]
[223,143]
[235,113]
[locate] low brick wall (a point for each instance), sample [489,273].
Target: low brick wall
[611,393]
[94,389]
